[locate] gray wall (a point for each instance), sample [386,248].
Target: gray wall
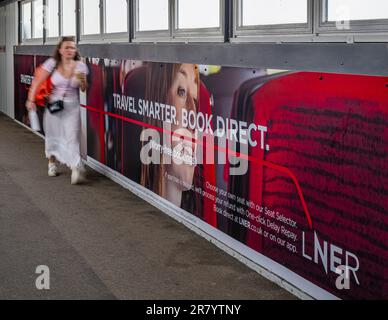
[3,78]
[8,39]
[358,58]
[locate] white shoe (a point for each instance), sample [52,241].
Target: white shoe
[52,170]
[78,175]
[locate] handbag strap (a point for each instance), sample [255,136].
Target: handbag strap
[71,77]
[69,80]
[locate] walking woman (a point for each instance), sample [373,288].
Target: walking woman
[63,128]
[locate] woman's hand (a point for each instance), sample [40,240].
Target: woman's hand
[30,105]
[82,80]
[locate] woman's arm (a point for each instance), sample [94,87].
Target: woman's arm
[81,74]
[40,76]
[83,82]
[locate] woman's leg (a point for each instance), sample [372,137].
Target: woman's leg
[50,125]
[78,174]
[52,167]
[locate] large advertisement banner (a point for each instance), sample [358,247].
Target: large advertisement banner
[292,165]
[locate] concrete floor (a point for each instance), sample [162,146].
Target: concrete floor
[100,241]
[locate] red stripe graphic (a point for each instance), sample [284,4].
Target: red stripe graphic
[264,163]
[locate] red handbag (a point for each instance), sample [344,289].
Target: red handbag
[43,92]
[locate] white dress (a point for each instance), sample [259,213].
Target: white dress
[63,129]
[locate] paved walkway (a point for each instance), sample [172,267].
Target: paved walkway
[99,240]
